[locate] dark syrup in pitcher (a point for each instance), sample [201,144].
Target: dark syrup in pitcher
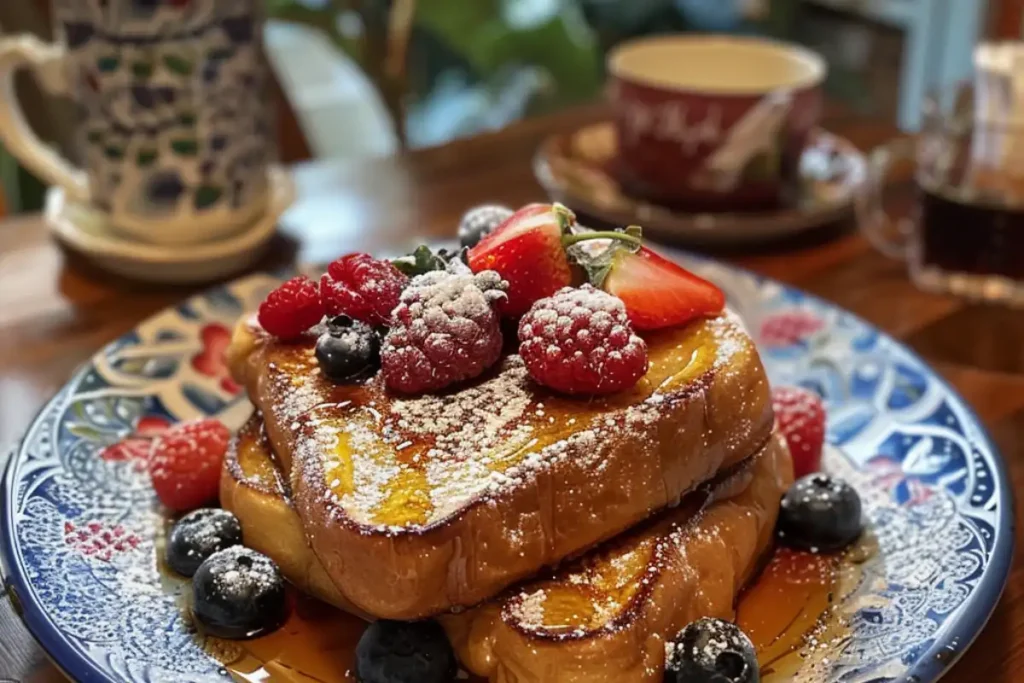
[958,234]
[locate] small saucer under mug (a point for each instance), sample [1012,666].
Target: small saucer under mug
[174,124]
[577,169]
[87,231]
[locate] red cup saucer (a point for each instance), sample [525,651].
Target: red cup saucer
[577,169]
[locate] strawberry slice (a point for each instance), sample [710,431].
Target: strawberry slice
[657,292]
[529,251]
[526,250]
[800,416]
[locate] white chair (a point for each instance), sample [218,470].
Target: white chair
[338,108]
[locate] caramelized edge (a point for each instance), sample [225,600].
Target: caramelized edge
[654,568]
[234,466]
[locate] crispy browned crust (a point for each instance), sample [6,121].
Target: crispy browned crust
[696,568]
[693,560]
[259,497]
[502,536]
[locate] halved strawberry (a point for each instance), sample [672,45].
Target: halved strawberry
[526,250]
[529,251]
[657,292]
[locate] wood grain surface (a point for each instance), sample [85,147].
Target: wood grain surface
[55,312]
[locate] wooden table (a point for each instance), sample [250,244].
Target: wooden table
[55,313]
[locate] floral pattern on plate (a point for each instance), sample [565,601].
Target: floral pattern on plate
[80,526]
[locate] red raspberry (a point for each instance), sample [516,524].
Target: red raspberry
[444,330]
[363,288]
[800,416]
[292,308]
[186,461]
[579,341]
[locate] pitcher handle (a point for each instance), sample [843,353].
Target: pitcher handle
[889,236]
[47,60]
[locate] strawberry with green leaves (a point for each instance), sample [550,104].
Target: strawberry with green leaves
[537,248]
[528,250]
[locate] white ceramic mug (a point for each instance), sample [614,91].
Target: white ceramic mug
[175,130]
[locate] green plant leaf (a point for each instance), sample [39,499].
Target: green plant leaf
[178,65]
[185,147]
[187,119]
[207,196]
[113,152]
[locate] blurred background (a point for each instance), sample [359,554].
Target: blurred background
[363,78]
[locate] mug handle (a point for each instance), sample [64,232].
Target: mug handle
[887,235]
[15,133]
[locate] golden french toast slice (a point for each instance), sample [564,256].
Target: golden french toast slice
[416,506]
[605,616]
[254,489]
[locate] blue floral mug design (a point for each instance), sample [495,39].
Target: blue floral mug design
[174,129]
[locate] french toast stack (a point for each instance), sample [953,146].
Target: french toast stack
[563,498]
[554,537]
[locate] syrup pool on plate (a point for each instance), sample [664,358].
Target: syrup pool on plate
[787,612]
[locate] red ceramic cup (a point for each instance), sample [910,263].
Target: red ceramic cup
[713,122]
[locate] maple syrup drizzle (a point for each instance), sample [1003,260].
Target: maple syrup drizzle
[787,613]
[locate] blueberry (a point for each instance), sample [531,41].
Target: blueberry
[820,514]
[711,651]
[480,221]
[348,350]
[238,593]
[198,535]
[404,652]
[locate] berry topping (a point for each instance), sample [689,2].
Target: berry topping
[185,463]
[238,593]
[657,292]
[820,514]
[198,535]
[801,419]
[404,652]
[362,287]
[529,251]
[292,308]
[480,221]
[711,651]
[348,350]
[580,342]
[445,330]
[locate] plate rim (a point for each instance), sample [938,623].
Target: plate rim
[929,668]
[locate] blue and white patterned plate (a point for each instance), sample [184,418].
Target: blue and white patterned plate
[79,520]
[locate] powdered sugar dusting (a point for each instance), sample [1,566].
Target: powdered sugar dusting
[400,463]
[250,569]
